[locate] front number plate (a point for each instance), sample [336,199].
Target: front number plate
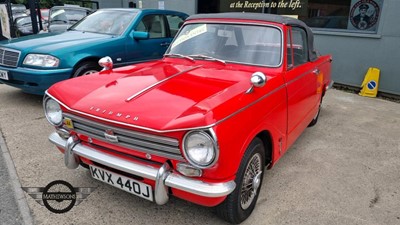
[3,74]
[127,184]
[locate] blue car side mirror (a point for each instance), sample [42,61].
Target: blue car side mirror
[140,35]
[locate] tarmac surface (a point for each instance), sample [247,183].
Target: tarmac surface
[344,170]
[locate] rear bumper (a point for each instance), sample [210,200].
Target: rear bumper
[330,85]
[163,176]
[34,81]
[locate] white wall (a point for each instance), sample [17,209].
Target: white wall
[186,6]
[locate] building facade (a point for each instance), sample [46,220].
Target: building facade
[358,33]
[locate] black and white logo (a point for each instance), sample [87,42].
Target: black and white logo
[58,196]
[364,14]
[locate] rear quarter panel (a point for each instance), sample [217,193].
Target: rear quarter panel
[324,65]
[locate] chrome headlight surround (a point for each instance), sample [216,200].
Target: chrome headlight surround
[200,148]
[41,60]
[52,110]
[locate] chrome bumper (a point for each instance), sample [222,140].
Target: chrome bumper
[162,176]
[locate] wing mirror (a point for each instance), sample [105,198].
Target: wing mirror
[106,63]
[139,35]
[258,79]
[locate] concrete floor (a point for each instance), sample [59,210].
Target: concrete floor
[345,170]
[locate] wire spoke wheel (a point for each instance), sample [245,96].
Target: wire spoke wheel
[251,181]
[241,202]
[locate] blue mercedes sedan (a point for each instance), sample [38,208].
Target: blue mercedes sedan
[128,36]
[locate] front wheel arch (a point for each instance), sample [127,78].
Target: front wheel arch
[91,63]
[266,138]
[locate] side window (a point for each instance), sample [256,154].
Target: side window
[299,45]
[141,27]
[174,22]
[154,24]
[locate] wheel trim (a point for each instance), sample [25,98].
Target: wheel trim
[89,72]
[251,181]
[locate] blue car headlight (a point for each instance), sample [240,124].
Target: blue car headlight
[41,60]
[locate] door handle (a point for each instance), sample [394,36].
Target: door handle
[316,72]
[164,44]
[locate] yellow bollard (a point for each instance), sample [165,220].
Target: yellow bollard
[371,82]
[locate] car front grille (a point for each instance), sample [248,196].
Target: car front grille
[142,142]
[9,57]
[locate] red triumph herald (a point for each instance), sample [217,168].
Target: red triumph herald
[232,93]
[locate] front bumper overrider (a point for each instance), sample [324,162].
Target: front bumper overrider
[163,176]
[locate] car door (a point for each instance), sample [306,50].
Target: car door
[301,81]
[152,48]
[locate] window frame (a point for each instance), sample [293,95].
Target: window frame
[304,44]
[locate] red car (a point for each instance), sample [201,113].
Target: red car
[231,95]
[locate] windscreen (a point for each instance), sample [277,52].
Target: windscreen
[69,16]
[105,22]
[248,44]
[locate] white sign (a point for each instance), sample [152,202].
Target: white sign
[5,24]
[161,5]
[364,14]
[189,35]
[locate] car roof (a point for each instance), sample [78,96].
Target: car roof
[250,16]
[142,10]
[70,7]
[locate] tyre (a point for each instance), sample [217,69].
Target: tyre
[315,119]
[86,68]
[238,206]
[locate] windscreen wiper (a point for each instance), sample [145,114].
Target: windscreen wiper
[180,56]
[207,58]
[58,21]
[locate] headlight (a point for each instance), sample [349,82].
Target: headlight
[41,60]
[53,111]
[200,149]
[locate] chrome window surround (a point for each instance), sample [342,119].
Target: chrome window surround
[12,60]
[240,23]
[142,142]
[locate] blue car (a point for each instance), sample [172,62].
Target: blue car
[35,62]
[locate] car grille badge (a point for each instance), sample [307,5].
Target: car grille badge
[109,135]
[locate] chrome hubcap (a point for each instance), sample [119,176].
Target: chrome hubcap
[251,181]
[89,72]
